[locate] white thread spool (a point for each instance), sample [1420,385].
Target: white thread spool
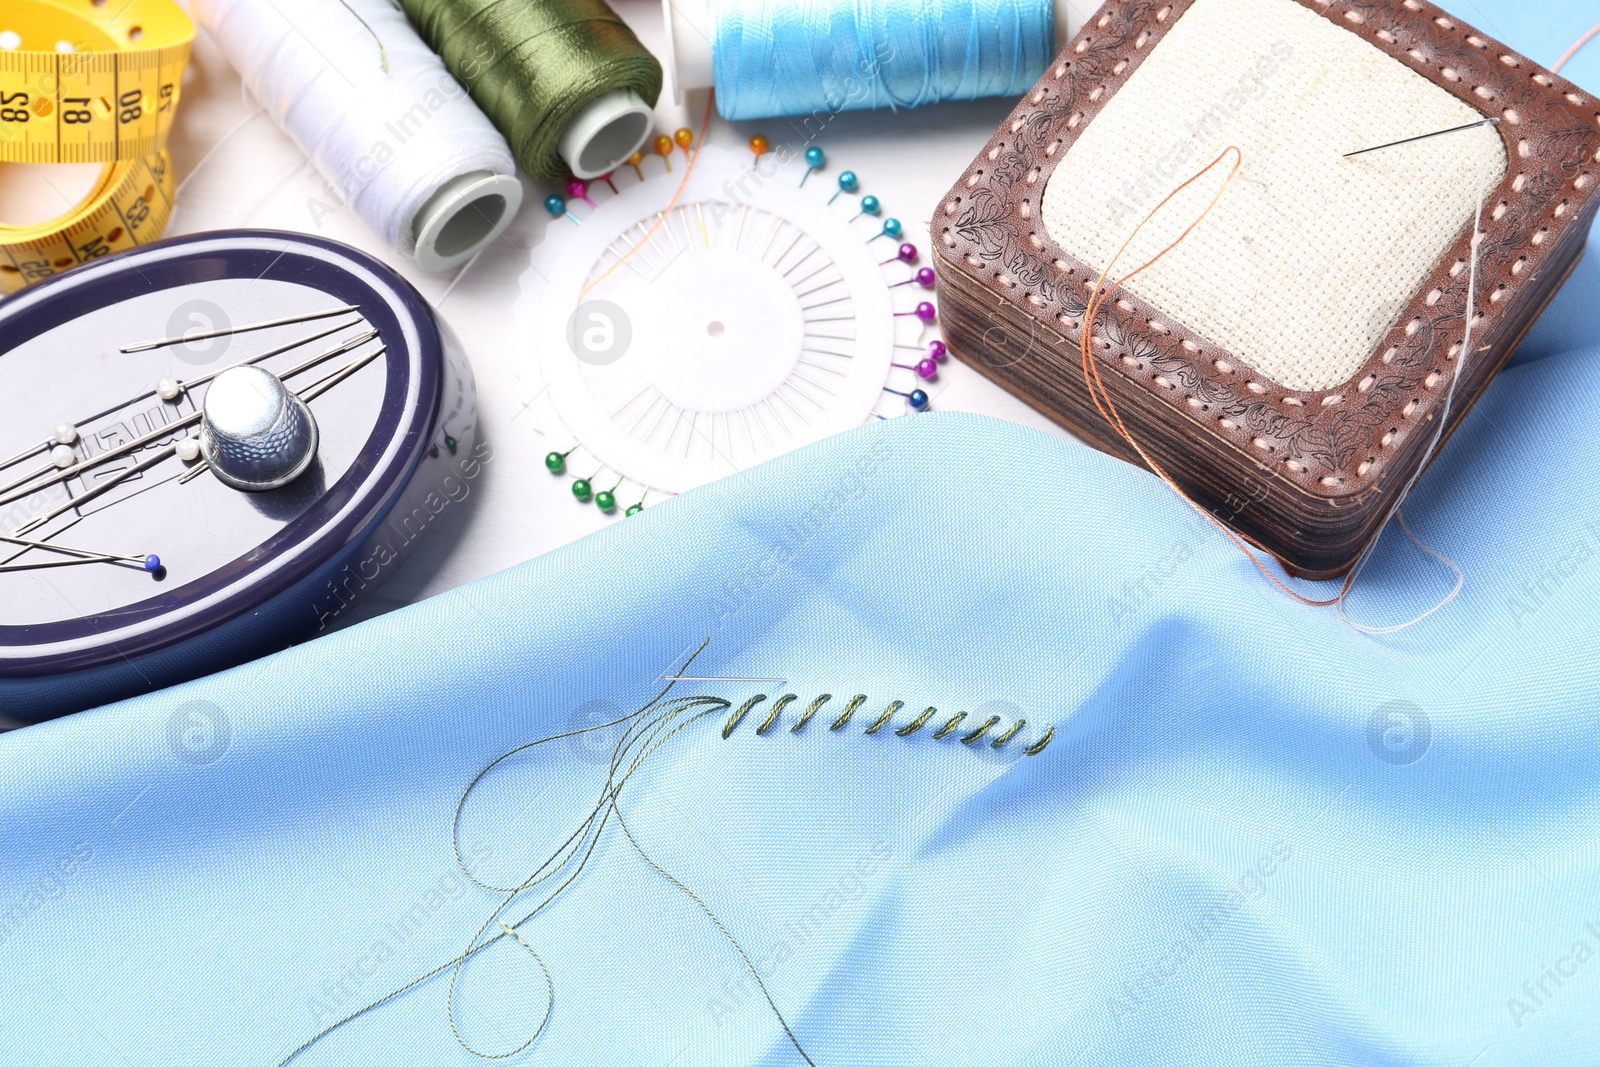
[691,26]
[406,148]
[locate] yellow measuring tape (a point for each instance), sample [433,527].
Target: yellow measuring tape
[90,81]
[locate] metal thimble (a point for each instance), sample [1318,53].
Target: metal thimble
[254,432]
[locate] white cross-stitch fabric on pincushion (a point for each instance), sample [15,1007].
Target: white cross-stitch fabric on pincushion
[1309,257]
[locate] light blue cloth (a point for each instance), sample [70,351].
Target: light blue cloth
[1258,836]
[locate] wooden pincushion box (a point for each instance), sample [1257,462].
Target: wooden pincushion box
[1289,363]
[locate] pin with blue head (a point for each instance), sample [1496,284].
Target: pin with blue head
[848,183]
[891,229]
[556,204]
[869,206]
[814,161]
[916,399]
[63,556]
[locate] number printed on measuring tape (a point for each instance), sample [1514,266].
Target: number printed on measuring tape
[130,207]
[90,86]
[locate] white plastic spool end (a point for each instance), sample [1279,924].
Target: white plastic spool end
[689,29]
[467,212]
[605,133]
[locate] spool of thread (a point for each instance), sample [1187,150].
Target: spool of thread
[383,120]
[767,58]
[566,81]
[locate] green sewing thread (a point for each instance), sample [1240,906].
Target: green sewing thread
[533,65]
[888,713]
[383,56]
[1008,734]
[980,731]
[885,717]
[849,710]
[642,736]
[772,716]
[1038,746]
[738,716]
[811,709]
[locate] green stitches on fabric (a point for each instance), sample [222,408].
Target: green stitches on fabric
[849,710]
[886,718]
[738,716]
[772,716]
[644,732]
[888,713]
[916,724]
[811,709]
[1008,734]
[980,731]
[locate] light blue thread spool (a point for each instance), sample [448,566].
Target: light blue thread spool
[767,58]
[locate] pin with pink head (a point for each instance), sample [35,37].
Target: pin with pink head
[579,188]
[923,277]
[907,254]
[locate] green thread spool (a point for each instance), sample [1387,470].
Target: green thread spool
[565,81]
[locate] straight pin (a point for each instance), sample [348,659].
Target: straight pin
[65,434]
[145,346]
[180,423]
[149,562]
[848,183]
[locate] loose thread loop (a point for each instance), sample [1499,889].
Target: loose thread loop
[644,732]
[1101,394]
